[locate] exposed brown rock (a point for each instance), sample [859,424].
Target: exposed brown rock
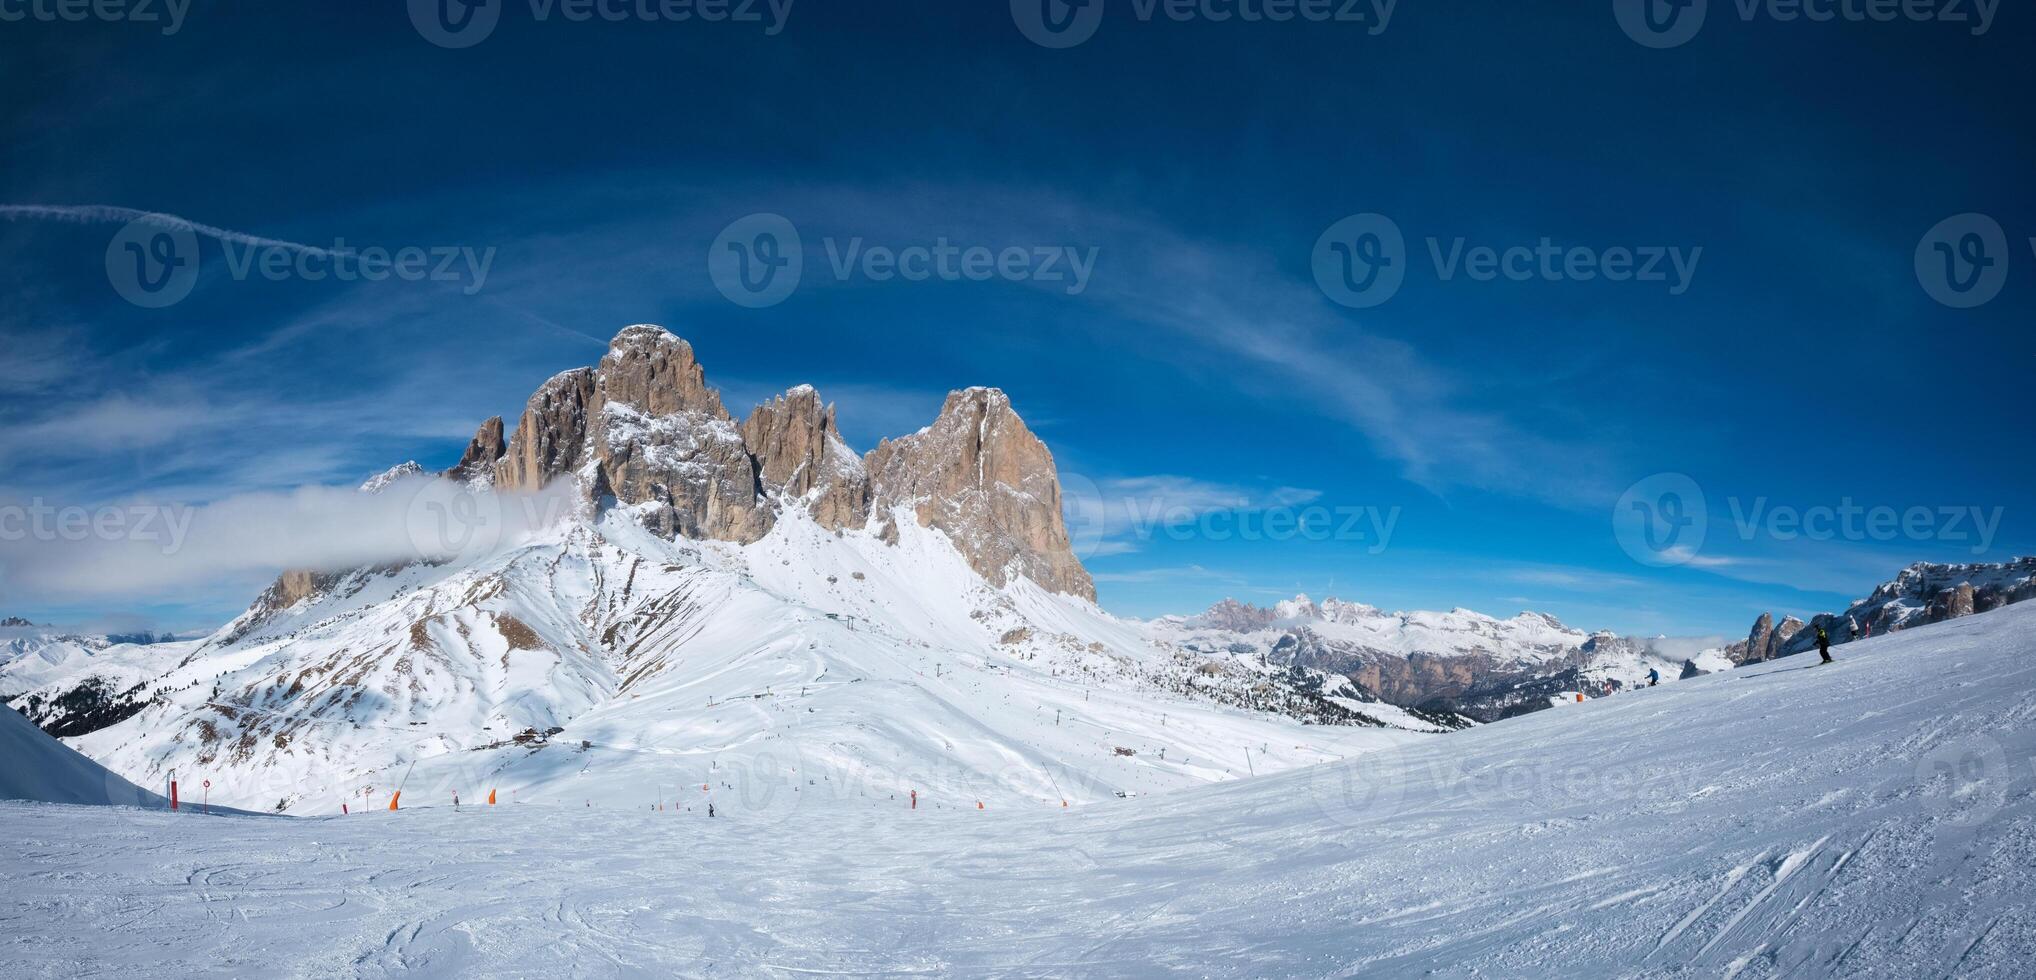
[552,436]
[800,451]
[656,373]
[644,429]
[1952,603]
[483,454]
[979,475]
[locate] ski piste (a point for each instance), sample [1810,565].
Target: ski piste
[1869,821]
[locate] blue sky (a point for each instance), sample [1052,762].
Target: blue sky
[1199,371]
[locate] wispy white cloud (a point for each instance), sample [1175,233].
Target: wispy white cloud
[150,548]
[1117,515]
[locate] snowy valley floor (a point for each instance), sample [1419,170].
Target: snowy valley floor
[1871,817]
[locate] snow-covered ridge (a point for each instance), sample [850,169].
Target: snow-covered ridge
[1460,661]
[1919,595]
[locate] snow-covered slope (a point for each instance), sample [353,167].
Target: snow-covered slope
[1871,818]
[38,768]
[602,660]
[71,683]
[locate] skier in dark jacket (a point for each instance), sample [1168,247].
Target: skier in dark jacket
[1824,644]
[1653,677]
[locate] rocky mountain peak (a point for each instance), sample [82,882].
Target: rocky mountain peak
[651,370]
[643,429]
[979,475]
[381,481]
[483,454]
[552,435]
[800,452]
[1237,617]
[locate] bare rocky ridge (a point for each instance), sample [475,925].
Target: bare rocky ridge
[801,453]
[1923,593]
[477,465]
[1766,641]
[645,429]
[552,436]
[978,474]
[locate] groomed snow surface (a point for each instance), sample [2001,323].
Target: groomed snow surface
[1868,818]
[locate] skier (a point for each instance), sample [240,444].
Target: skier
[1653,676]
[1824,644]
[710,810]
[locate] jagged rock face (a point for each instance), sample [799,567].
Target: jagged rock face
[1765,641]
[1790,628]
[553,435]
[664,439]
[644,428]
[1756,645]
[656,373]
[483,454]
[979,475]
[692,467]
[1952,603]
[1923,593]
[1238,617]
[799,452]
